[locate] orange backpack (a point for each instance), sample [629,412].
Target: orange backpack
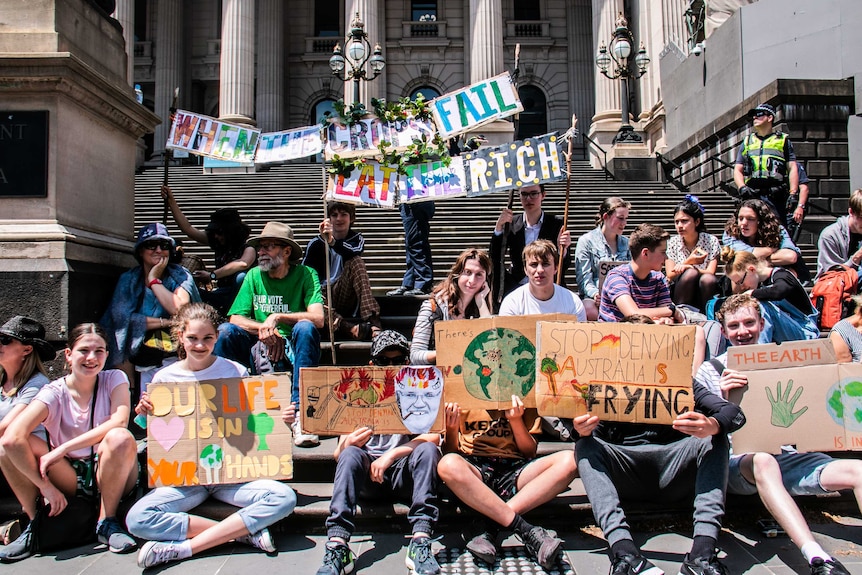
[832,292]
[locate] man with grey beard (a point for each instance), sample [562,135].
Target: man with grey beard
[276,314]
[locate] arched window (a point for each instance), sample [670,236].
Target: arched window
[426,91]
[534,119]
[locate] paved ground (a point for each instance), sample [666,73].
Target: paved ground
[746,550]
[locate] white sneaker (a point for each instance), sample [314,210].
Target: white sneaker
[301,439]
[261,539]
[158,552]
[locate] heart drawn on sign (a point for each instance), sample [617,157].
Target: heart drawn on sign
[166,431]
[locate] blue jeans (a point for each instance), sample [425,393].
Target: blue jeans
[800,473]
[416,219]
[161,515]
[302,350]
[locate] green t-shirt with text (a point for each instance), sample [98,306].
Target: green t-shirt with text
[260,295]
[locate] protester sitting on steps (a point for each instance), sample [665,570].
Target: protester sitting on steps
[755,228]
[846,335]
[692,256]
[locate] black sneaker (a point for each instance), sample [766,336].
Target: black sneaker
[702,566]
[828,567]
[338,560]
[19,549]
[633,565]
[397,291]
[542,547]
[420,560]
[483,547]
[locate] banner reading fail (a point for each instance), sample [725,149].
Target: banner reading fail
[523,163]
[339,400]
[797,395]
[486,361]
[475,105]
[219,431]
[205,136]
[617,371]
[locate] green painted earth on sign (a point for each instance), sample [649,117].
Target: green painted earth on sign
[846,408]
[499,363]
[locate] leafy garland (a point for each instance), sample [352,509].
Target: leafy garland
[419,152]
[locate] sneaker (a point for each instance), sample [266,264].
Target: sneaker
[542,547]
[483,547]
[702,566]
[828,567]
[397,291]
[338,560]
[420,560]
[261,539]
[19,549]
[301,439]
[157,552]
[634,565]
[110,532]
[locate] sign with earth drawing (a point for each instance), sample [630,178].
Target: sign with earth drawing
[487,361]
[797,395]
[219,431]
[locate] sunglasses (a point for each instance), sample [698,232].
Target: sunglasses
[760,114]
[531,195]
[6,339]
[152,246]
[384,361]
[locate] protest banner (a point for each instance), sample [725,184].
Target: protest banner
[374,185]
[288,145]
[514,165]
[475,105]
[363,138]
[205,136]
[604,267]
[218,431]
[797,395]
[339,400]
[486,361]
[432,181]
[617,371]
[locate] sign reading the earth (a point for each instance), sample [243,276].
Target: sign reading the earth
[797,395]
[487,361]
[219,431]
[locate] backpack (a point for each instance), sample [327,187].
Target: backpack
[832,292]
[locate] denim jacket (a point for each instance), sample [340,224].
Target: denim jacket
[592,248]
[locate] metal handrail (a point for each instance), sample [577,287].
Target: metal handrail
[667,167]
[604,154]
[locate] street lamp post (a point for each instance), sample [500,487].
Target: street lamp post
[618,52]
[357,48]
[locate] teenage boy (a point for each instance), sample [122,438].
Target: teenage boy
[401,465]
[777,478]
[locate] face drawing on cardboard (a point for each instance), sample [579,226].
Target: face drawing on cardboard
[418,391]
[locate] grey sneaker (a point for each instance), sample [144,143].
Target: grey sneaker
[542,547]
[19,549]
[483,547]
[301,439]
[261,539]
[158,552]
[420,559]
[110,532]
[338,560]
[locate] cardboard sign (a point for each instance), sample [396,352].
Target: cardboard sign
[604,267]
[205,136]
[338,400]
[218,431]
[374,185]
[797,395]
[487,361]
[433,181]
[511,166]
[476,105]
[363,138]
[289,145]
[617,371]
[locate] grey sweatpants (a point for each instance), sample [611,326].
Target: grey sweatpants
[654,473]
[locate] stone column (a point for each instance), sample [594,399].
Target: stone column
[486,39]
[371,13]
[270,66]
[608,110]
[169,62]
[125,15]
[236,81]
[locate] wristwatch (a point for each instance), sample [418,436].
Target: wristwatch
[213,276]
[672,307]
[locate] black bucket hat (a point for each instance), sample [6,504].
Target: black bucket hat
[29,332]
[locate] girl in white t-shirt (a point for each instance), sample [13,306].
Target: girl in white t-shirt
[57,471]
[162,515]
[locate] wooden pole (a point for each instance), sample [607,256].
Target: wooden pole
[325,238]
[168,156]
[572,133]
[501,281]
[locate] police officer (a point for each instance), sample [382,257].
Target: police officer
[766,165]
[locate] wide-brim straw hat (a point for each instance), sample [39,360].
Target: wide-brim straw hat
[279,232]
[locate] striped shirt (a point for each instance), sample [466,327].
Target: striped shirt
[851,336]
[646,293]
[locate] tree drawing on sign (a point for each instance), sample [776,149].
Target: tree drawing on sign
[783,404]
[549,369]
[211,460]
[260,424]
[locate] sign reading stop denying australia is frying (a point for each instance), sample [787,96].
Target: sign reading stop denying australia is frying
[218,431]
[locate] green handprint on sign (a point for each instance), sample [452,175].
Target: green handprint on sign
[783,405]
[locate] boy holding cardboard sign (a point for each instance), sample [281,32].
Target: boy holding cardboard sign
[776,478]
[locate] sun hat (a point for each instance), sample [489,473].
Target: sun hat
[29,332]
[280,232]
[154,231]
[389,339]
